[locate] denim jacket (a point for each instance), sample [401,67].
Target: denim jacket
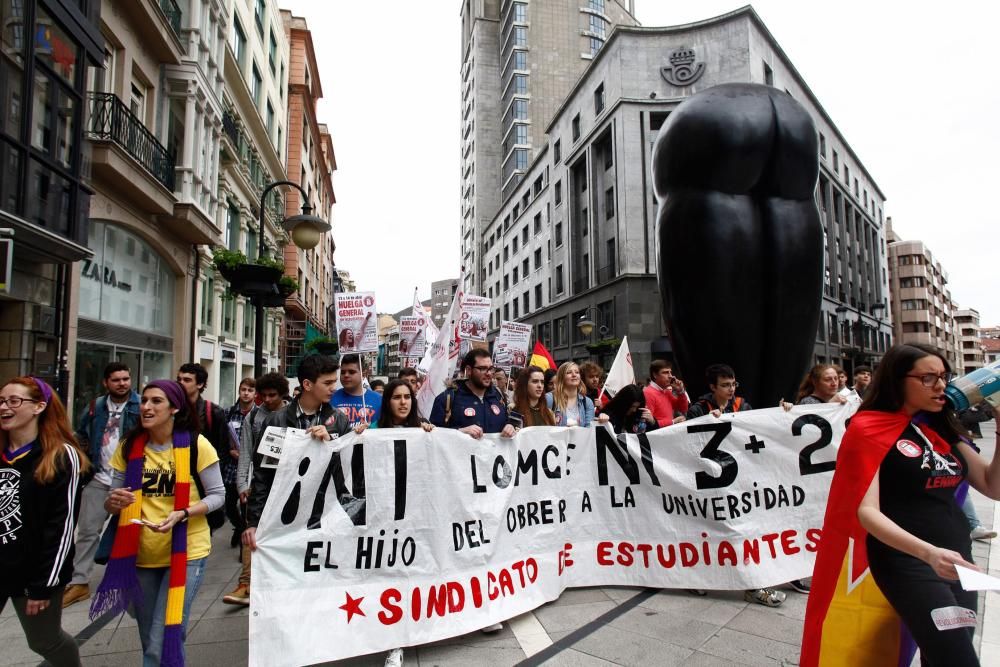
[583,404]
[95,418]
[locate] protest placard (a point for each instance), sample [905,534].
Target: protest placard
[411,336]
[511,346]
[357,323]
[399,537]
[474,317]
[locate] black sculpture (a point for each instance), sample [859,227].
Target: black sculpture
[740,252]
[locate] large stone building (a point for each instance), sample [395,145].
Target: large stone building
[971,353]
[154,124]
[442,293]
[922,307]
[576,238]
[519,60]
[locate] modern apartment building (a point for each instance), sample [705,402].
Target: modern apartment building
[971,353]
[922,307]
[442,293]
[154,127]
[576,237]
[519,60]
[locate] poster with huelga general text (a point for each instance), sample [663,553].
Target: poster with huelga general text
[411,336]
[473,322]
[357,323]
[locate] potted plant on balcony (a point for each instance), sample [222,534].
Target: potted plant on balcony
[248,279]
[287,286]
[604,346]
[322,345]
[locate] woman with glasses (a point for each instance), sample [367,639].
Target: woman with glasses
[40,469]
[899,464]
[165,480]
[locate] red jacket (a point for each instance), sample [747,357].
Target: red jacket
[663,403]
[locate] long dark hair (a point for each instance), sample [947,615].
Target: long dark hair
[523,405]
[185,419]
[385,418]
[618,407]
[886,392]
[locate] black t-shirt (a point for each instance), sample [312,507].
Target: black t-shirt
[917,491]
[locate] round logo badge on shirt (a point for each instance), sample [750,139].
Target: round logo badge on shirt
[909,448]
[495,409]
[470,412]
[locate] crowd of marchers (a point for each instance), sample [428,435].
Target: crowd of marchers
[144,479]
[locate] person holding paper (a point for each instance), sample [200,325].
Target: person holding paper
[892,501]
[165,481]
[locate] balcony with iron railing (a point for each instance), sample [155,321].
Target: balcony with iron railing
[173,13]
[112,121]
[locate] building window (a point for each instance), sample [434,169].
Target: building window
[520,12]
[596,25]
[516,313]
[239,43]
[137,103]
[595,45]
[520,84]
[558,193]
[607,311]
[513,248]
[576,127]
[272,54]
[559,239]
[520,109]
[559,279]
[538,224]
[524,267]
[520,36]
[557,152]
[560,338]
[520,134]
[520,60]
[836,163]
[256,85]
[599,100]
[597,5]
[538,296]
[768,75]
[822,145]
[258,16]
[525,303]
[524,235]
[233,228]
[609,203]
[538,258]
[270,119]
[208,303]
[521,159]
[506,311]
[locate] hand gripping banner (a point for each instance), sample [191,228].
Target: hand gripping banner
[399,537]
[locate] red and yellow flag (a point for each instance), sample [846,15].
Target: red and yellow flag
[540,357]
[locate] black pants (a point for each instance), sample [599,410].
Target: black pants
[233,512]
[914,591]
[44,630]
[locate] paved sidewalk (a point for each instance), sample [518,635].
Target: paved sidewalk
[636,626]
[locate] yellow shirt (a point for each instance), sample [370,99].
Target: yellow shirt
[158,478]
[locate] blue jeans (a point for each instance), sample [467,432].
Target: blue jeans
[155,582]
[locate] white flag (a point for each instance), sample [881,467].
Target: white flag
[418,308]
[621,373]
[443,355]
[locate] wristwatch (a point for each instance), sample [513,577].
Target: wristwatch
[187,515]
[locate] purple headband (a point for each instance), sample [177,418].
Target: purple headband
[173,390]
[43,387]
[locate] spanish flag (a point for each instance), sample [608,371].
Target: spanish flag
[848,620]
[540,357]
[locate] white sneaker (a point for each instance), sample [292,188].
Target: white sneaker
[982,534]
[492,629]
[394,658]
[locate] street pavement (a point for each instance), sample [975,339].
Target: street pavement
[586,626]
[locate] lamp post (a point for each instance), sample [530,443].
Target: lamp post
[306,230]
[587,325]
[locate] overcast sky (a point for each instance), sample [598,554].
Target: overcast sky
[914,90]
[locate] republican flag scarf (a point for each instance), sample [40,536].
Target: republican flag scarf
[120,586]
[848,620]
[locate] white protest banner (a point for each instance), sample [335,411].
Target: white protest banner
[411,336]
[399,537]
[622,373]
[442,355]
[474,320]
[511,347]
[357,324]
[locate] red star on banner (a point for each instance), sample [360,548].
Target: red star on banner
[352,606]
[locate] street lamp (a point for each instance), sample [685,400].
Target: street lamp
[586,325]
[305,230]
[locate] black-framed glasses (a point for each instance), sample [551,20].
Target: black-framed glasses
[729,385]
[14,402]
[931,379]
